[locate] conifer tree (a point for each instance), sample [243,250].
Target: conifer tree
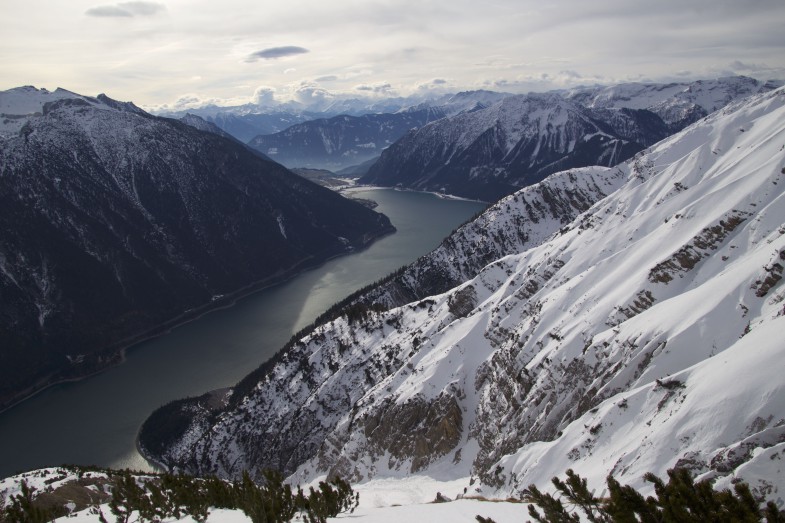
[127,497]
[680,500]
[22,507]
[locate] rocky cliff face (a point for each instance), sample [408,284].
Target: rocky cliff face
[117,222]
[641,335]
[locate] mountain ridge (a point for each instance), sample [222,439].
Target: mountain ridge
[351,138]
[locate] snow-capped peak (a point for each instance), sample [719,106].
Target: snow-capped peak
[20,104]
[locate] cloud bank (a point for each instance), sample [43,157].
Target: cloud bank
[159,50]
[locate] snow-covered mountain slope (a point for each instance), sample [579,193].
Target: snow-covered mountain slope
[520,140]
[247,121]
[514,224]
[20,105]
[678,104]
[115,222]
[644,334]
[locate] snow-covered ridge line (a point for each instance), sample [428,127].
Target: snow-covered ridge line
[577,353]
[19,105]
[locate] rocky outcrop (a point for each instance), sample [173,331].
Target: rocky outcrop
[417,431]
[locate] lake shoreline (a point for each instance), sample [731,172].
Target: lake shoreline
[117,354]
[97,420]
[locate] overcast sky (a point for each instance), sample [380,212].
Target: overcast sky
[171,52]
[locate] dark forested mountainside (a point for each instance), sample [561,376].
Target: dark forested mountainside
[116,223]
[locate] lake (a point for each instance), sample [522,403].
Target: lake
[95,421]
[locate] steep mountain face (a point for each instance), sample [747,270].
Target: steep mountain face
[642,335]
[489,153]
[520,140]
[116,223]
[512,225]
[341,141]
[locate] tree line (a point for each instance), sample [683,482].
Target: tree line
[153,498]
[680,500]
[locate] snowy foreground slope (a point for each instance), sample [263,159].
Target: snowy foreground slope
[645,334]
[85,493]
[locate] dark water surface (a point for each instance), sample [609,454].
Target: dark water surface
[95,421]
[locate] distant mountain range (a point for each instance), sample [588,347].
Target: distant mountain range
[347,141]
[340,141]
[483,144]
[517,142]
[117,223]
[245,122]
[610,320]
[520,140]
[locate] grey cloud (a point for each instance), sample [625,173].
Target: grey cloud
[126,10]
[108,11]
[273,53]
[568,73]
[376,88]
[143,8]
[738,65]
[328,78]
[436,84]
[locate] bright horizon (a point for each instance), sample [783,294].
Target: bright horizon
[178,53]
